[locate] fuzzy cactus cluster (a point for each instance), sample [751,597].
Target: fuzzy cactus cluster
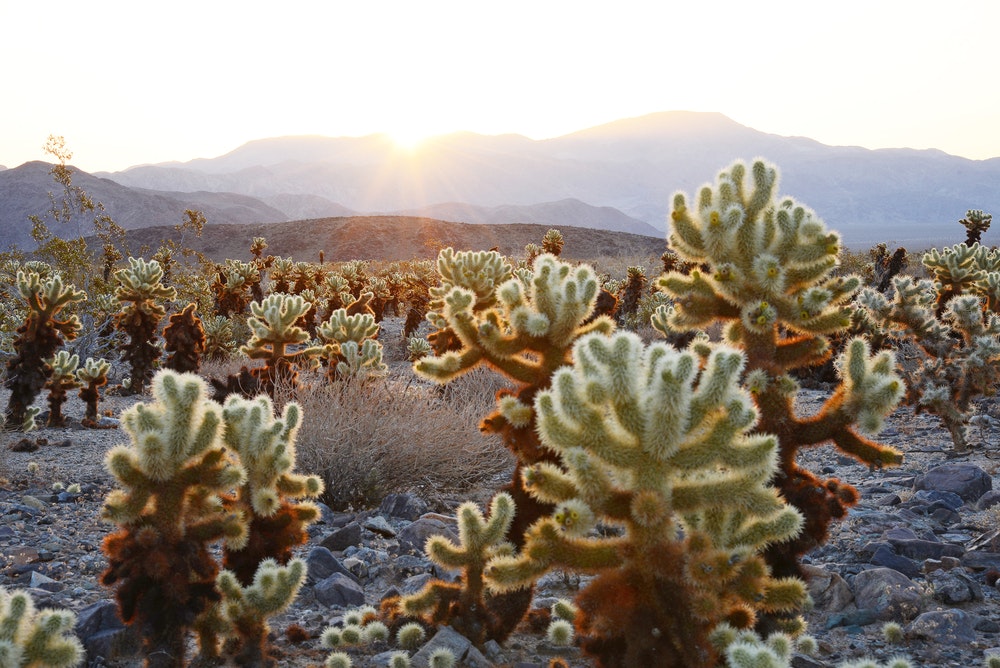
[35,638]
[766,271]
[141,291]
[954,326]
[175,502]
[44,330]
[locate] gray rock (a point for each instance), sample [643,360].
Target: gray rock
[321,564]
[413,536]
[948,499]
[966,480]
[339,590]
[886,556]
[829,591]
[340,539]
[403,506]
[889,593]
[378,524]
[953,587]
[988,500]
[457,644]
[103,634]
[926,549]
[949,627]
[39,581]
[981,560]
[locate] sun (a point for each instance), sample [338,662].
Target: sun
[408,139]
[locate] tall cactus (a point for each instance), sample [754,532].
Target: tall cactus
[185,341]
[139,291]
[62,379]
[767,275]
[39,337]
[93,376]
[657,441]
[350,347]
[170,512]
[522,327]
[277,340]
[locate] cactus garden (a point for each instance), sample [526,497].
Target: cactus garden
[753,448]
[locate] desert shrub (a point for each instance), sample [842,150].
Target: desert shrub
[419,439]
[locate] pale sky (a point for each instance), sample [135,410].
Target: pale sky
[129,82]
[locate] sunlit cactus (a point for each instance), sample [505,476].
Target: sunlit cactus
[976,222]
[662,443]
[93,375]
[350,348]
[767,273]
[62,379]
[269,498]
[140,290]
[220,340]
[31,638]
[278,341]
[240,618]
[959,352]
[552,242]
[41,334]
[523,327]
[169,510]
[233,287]
[464,605]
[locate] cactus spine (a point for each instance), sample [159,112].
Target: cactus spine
[185,341]
[768,275]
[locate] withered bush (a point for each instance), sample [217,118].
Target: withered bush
[369,439]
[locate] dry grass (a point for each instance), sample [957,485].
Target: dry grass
[370,438]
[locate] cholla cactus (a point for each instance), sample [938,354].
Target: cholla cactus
[964,270]
[523,327]
[169,511]
[350,346]
[241,616]
[220,341]
[267,497]
[417,347]
[233,287]
[185,341]
[62,379]
[767,274]
[975,222]
[139,289]
[658,441]
[465,605]
[273,335]
[36,638]
[960,350]
[38,338]
[635,285]
[552,242]
[93,376]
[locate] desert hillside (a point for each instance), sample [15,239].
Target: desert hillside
[393,238]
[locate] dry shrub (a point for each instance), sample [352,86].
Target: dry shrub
[370,438]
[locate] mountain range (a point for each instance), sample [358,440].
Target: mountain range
[619,176]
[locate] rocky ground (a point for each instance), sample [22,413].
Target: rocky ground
[921,548]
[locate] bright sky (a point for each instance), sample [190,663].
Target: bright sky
[129,82]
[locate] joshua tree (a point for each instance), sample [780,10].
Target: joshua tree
[38,338]
[767,274]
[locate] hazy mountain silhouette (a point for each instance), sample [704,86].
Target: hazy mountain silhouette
[617,176]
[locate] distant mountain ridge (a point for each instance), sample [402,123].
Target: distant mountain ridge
[618,176]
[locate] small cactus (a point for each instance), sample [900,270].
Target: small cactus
[36,638]
[92,376]
[62,379]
